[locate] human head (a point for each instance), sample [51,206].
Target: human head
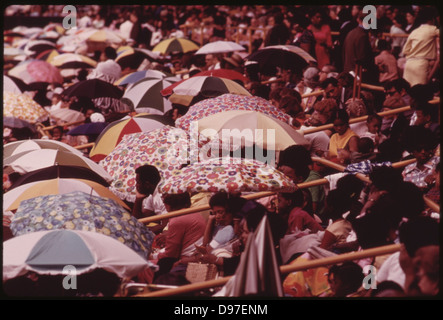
[424,112]
[178,111]
[356,108]
[386,289]
[220,207]
[325,71]
[385,178]
[421,142]
[289,200]
[374,122]
[289,104]
[427,263]
[147,179]
[383,45]
[331,88]
[311,77]
[341,121]
[365,145]
[108,53]
[396,88]
[294,162]
[57,133]
[345,278]
[323,111]
[426,15]
[178,201]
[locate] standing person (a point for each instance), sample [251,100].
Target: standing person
[323,39]
[421,48]
[386,62]
[279,33]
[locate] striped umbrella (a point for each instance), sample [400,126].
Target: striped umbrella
[73,61]
[144,96]
[22,106]
[47,55]
[206,86]
[175,45]
[17,147]
[136,76]
[111,136]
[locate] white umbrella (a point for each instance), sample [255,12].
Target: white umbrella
[220,47]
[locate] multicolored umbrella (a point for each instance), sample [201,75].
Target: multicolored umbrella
[220,47]
[36,71]
[92,89]
[47,55]
[13,198]
[175,45]
[49,252]
[136,76]
[206,86]
[114,132]
[166,148]
[72,61]
[251,128]
[228,102]
[27,161]
[23,107]
[126,53]
[227,174]
[144,96]
[16,147]
[66,115]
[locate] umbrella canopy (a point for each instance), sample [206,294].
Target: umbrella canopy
[165,148]
[227,174]
[228,102]
[104,35]
[92,89]
[258,273]
[144,96]
[13,198]
[206,86]
[220,47]
[111,136]
[12,122]
[27,161]
[136,76]
[66,115]
[47,55]
[175,45]
[59,171]
[282,56]
[88,129]
[23,107]
[48,252]
[16,147]
[36,71]
[10,86]
[276,134]
[34,47]
[72,61]
[82,211]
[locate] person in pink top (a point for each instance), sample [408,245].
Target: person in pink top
[322,35]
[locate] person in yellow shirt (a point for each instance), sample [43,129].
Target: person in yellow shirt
[344,141]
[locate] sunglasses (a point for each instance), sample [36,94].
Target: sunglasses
[390,93]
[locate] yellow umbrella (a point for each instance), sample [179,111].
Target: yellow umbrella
[175,45]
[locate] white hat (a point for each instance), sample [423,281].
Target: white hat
[97,117]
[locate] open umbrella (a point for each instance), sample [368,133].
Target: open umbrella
[226,174]
[59,171]
[13,198]
[136,76]
[72,61]
[220,47]
[23,107]
[258,273]
[175,45]
[254,127]
[12,122]
[88,129]
[111,136]
[104,35]
[49,252]
[165,148]
[92,89]
[10,86]
[66,115]
[282,56]
[227,102]
[144,96]
[16,147]
[24,162]
[82,211]
[34,47]
[36,71]
[47,55]
[206,86]
[7,85]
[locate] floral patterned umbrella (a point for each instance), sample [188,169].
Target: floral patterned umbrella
[227,174]
[22,106]
[36,71]
[165,148]
[227,102]
[81,211]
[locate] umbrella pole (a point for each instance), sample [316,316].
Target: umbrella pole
[355,82]
[359,81]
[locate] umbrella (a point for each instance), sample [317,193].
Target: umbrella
[227,102]
[16,147]
[66,115]
[111,136]
[92,89]
[175,45]
[10,86]
[165,148]
[36,71]
[23,107]
[24,162]
[38,46]
[226,174]
[265,131]
[59,171]
[47,55]
[22,86]
[145,74]
[127,55]
[282,56]
[12,122]
[13,198]
[88,129]
[220,47]
[11,52]
[104,35]
[258,273]
[73,61]
[144,96]
[206,86]
[48,252]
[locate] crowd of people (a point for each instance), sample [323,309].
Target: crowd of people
[348,214]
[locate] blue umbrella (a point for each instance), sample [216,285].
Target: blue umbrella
[91,128]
